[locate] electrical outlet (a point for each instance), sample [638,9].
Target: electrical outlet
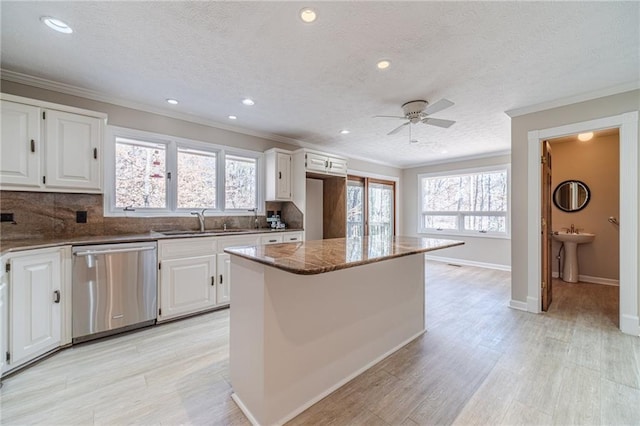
[6,217]
[81,216]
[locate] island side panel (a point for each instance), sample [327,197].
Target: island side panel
[322,330]
[246,336]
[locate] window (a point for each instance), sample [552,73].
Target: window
[148,174]
[465,202]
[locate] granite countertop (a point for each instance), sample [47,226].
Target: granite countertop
[7,246]
[319,256]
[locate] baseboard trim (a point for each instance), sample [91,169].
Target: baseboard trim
[593,280]
[244,409]
[533,305]
[516,304]
[630,325]
[469,263]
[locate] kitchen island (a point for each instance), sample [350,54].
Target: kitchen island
[308,317]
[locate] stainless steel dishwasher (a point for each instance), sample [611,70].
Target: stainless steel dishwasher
[113,288]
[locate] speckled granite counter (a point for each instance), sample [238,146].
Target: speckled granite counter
[316,257]
[7,246]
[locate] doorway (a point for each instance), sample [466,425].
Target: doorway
[627,123]
[371,207]
[580,197]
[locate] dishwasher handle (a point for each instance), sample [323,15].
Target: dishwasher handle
[110,251]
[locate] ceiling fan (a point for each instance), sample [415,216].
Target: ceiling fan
[419,112]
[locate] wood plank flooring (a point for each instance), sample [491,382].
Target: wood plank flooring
[479,363]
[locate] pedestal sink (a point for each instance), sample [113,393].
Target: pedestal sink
[571,241]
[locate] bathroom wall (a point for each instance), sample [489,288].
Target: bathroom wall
[596,163]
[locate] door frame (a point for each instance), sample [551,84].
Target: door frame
[627,123]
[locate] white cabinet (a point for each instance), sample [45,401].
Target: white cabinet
[187,276]
[20,145]
[49,147]
[4,318]
[35,303]
[292,237]
[271,239]
[278,175]
[73,156]
[223,292]
[325,164]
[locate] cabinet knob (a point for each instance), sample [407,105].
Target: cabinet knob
[56,296]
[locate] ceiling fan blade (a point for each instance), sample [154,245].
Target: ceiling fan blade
[397,129]
[388,116]
[438,106]
[438,122]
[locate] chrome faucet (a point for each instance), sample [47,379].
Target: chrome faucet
[255,217]
[200,218]
[573,229]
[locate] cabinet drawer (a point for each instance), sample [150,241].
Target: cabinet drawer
[185,247]
[291,237]
[271,239]
[241,240]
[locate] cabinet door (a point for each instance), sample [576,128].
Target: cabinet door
[4,321]
[315,162]
[187,286]
[73,154]
[224,278]
[337,166]
[283,186]
[19,145]
[36,315]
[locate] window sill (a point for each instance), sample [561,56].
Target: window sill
[440,234]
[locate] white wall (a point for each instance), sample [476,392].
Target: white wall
[495,252]
[520,127]
[313,224]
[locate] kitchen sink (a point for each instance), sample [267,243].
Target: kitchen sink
[205,232]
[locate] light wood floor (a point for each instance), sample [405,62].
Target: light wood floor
[479,363]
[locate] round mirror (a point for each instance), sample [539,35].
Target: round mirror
[571,196]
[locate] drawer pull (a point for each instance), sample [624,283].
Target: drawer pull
[273,241]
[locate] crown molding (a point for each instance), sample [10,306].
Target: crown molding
[461,159]
[613,90]
[67,89]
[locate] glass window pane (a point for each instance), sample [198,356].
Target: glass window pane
[140,171]
[355,207]
[240,183]
[485,191]
[380,210]
[196,179]
[440,222]
[485,223]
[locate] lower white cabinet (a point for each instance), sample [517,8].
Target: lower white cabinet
[4,319]
[186,286]
[35,304]
[223,291]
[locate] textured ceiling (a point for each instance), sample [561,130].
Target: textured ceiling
[309,81]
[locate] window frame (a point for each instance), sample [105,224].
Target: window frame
[421,229]
[173,144]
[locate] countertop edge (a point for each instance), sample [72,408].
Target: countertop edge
[124,238]
[325,269]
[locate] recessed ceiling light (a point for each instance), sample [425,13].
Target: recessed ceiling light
[585,136]
[172,101]
[308,15]
[56,24]
[248,102]
[383,64]
[232,117]
[344,132]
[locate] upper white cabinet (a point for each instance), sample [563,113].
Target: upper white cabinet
[49,147]
[20,145]
[325,164]
[35,279]
[278,175]
[4,318]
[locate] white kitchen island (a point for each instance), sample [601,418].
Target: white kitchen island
[308,317]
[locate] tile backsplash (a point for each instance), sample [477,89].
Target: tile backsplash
[53,215]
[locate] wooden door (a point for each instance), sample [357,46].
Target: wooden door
[546,226]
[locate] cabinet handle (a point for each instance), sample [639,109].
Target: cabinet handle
[33,145]
[279,175]
[95,153]
[213,280]
[330,164]
[56,298]
[273,241]
[220,278]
